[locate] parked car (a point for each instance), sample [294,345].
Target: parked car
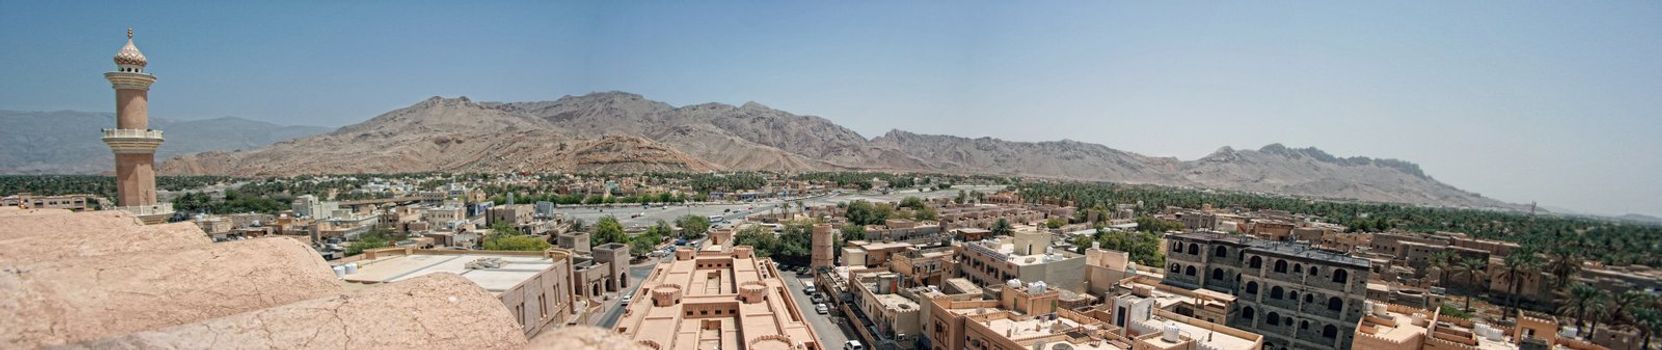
[822,309]
[853,345]
[818,299]
[627,297]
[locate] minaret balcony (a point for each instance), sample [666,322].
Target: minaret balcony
[133,140]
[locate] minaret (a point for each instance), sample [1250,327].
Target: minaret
[132,140]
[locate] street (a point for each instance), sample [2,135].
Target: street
[733,211]
[614,307]
[832,333]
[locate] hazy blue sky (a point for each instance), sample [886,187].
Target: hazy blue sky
[1557,102]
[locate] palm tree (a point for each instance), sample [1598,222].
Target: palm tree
[1621,304]
[1582,297]
[1520,264]
[1647,319]
[1563,262]
[1441,260]
[1473,269]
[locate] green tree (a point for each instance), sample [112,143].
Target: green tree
[926,213]
[1002,227]
[1473,269]
[1054,223]
[693,226]
[506,237]
[1521,263]
[375,238]
[1582,298]
[607,230]
[854,232]
[865,213]
[648,241]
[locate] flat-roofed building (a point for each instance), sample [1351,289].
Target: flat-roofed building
[1027,256]
[872,254]
[717,298]
[535,286]
[1295,295]
[924,267]
[1023,317]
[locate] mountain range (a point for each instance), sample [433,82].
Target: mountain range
[624,132]
[67,142]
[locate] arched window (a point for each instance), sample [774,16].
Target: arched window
[1333,303]
[1330,332]
[1176,268]
[1341,276]
[1217,273]
[1189,271]
[1274,319]
[1221,252]
[1276,292]
[1281,266]
[1312,270]
[1194,249]
[1308,300]
[1252,287]
[1303,324]
[1292,295]
[1298,268]
[1247,313]
[1255,262]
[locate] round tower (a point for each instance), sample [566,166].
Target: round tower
[132,140]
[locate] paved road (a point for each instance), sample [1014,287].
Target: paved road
[738,210]
[831,333]
[614,308]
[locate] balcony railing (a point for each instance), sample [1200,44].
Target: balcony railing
[133,133]
[148,210]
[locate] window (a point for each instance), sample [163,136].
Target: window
[1330,332]
[1276,292]
[1189,271]
[1312,270]
[1217,274]
[1221,252]
[1308,300]
[1298,268]
[1246,313]
[1176,268]
[1274,319]
[1292,295]
[1341,276]
[1255,262]
[1194,249]
[1252,287]
[1334,304]
[1281,266]
[1303,324]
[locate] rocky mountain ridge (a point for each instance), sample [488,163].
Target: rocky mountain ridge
[624,132]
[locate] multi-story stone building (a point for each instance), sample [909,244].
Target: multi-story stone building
[1027,255]
[1298,297]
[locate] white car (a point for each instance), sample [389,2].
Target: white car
[853,345]
[822,309]
[627,297]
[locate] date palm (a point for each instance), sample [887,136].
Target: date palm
[1563,262]
[1519,265]
[1473,269]
[1582,298]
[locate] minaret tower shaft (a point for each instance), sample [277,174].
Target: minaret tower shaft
[132,140]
